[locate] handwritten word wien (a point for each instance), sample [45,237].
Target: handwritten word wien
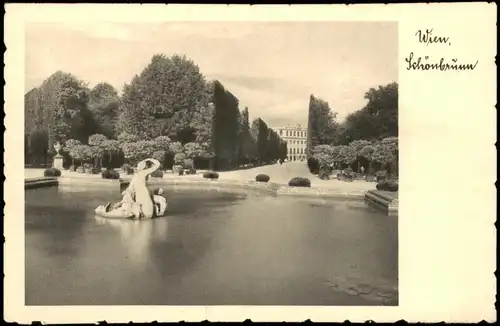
[425,63]
[427,37]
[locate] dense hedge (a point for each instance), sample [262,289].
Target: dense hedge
[225,140]
[313,165]
[387,186]
[52,172]
[211,175]
[299,182]
[110,174]
[169,98]
[262,178]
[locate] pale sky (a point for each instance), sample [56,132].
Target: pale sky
[272,68]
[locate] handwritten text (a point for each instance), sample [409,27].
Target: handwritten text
[427,37]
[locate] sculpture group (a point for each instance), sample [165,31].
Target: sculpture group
[137,200]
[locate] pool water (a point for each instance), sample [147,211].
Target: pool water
[213,248]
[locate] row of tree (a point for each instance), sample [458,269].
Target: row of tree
[168,104]
[372,128]
[132,149]
[359,153]
[378,119]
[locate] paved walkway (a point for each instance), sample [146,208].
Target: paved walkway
[283,173]
[278,173]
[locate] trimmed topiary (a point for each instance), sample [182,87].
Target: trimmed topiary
[95,170]
[110,174]
[157,174]
[262,178]
[387,186]
[211,175]
[381,175]
[299,182]
[52,172]
[313,165]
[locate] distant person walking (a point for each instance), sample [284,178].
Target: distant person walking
[362,170]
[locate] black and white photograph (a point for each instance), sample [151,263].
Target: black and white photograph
[211,163]
[264,163]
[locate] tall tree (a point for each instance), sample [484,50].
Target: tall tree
[260,135]
[377,120]
[104,104]
[163,99]
[322,123]
[226,127]
[247,145]
[64,99]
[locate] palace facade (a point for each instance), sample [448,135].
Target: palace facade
[296,139]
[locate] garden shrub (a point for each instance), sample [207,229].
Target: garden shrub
[387,186]
[110,174]
[350,176]
[177,169]
[211,175]
[324,172]
[94,170]
[299,182]
[313,165]
[392,186]
[179,158]
[188,165]
[370,178]
[262,178]
[347,175]
[157,174]
[127,169]
[381,175]
[52,172]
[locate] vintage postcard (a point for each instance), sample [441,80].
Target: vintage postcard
[272,163]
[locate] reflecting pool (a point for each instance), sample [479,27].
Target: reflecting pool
[213,248]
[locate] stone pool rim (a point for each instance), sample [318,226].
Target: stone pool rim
[373,197]
[271,188]
[41,182]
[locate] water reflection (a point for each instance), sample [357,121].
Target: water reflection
[137,235]
[212,248]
